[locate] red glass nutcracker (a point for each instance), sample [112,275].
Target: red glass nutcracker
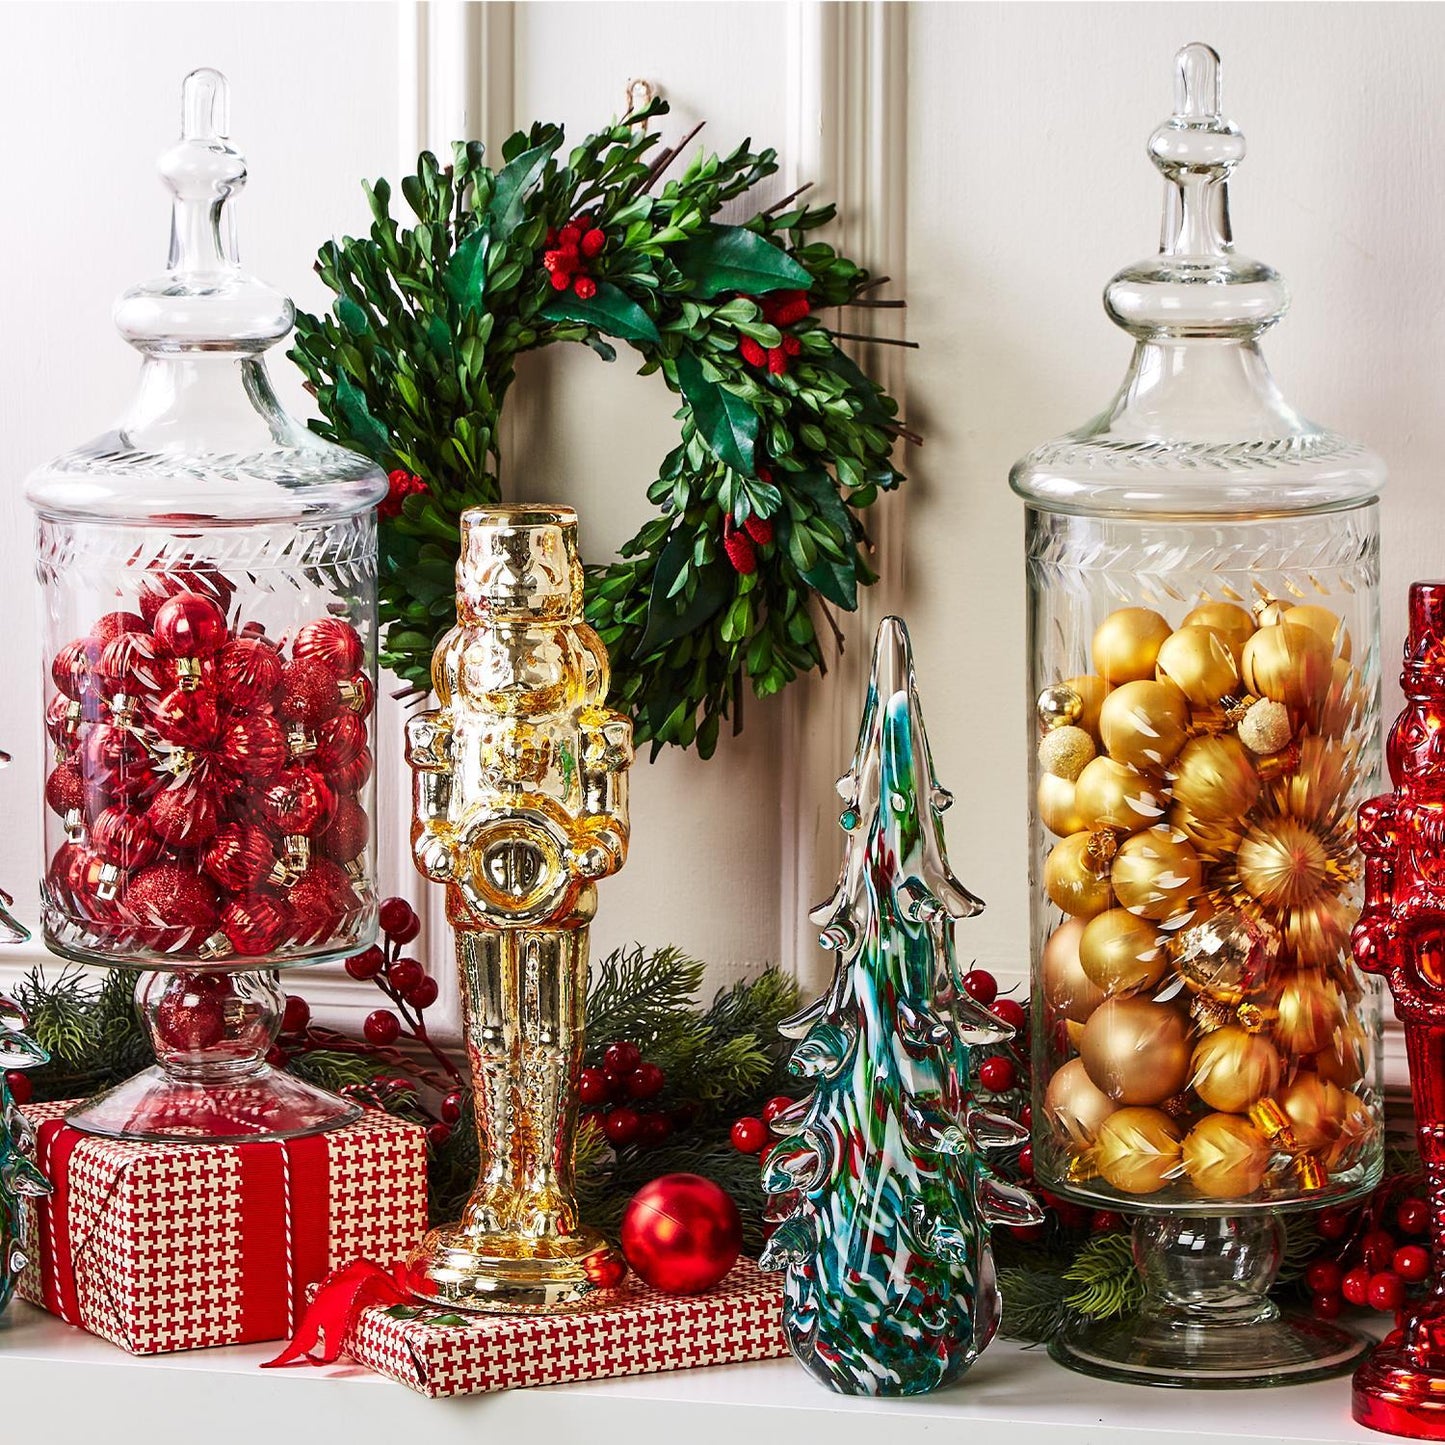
[1400,1387]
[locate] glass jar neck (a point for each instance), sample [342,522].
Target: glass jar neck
[216,402]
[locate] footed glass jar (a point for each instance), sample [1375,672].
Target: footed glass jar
[1204,659]
[209,576]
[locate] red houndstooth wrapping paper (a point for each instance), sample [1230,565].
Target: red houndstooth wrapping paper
[161,1247]
[637,1332]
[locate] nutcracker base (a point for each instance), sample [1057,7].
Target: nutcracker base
[1394,1394]
[1207,1321]
[261,1103]
[507,1275]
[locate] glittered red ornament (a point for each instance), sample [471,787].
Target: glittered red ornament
[70,670]
[255,924]
[191,1015]
[253,748]
[248,672]
[349,832]
[124,838]
[189,625]
[185,816]
[158,586]
[339,740]
[332,642]
[299,801]
[65,789]
[173,907]
[309,693]
[681,1233]
[187,717]
[239,857]
[111,625]
[319,900]
[352,777]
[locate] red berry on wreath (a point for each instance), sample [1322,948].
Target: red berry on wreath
[1386,1291]
[405,973]
[255,924]
[1333,1224]
[366,964]
[438,1134]
[423,993]
[248,672]
[1009,1011]
[997,1074]
[752,353]
[740,552]
[621,1059]
[646,1081]
[451,1109]
[584,287]
[1355,1286]
[398,920]
[981,986]
[1106,1221]
[760,529]
[561,277]
[309,693]
[592,243]
[382,1027]
[1326,1306]
[189,625]
[239,856]
[22,1090]
[331,642]
[681,1233]
[748,1135]
[1413,1216]
[1412,1262]
[656,1130]
[297,1015]
[185,816]
[591,1087]
[253,748]
[1324,1276]
[1377,1249]
[778,1104]
[622,1127]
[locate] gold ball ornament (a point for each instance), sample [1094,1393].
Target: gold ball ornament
[1317,790]
[1144,724]
[1319,931]
[1329,625]
[1225,1157]
[1198,661]
[1343,705]
[1227,957]
[1091,691]
[1137,1150]
[1122,953]
[1111,794]
[1233,623]
[1345,1060]
[1156,874]
[1068,990]
[1214,779]
[1074,1107]
[1126,645]
[1358,1129]
[1064,751]
[1212,838]
[1074,881]
[1135,1050]
[1283,863]
[1233,1068]
[1058,706]
[1058,810]
[1265,728]
[1310,1012]
[1316,1111]
[1288,663]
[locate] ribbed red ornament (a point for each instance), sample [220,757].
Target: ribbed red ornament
[65,789]
[331,642]
[77,869]
[70,670]
[173,907]
[299,801]
[352,777]
[185,816]
[348,835]
[253,748]
[124,838]
[111,625]
[255,924]
[63,716]
[239,856]
[159,586]
[309,693]
[116,762]
[189,625]
[131,664]
[339,740]
[248,672]
[187,717]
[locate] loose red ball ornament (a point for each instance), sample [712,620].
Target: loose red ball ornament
[253,748]
[130,664]
[366,964]
[124,839]
[187,717]
[748,1135]
[64,789]
[622,1127]
[332,642]
[309,693]
[681,1233]
[21,1089]
[189,625]
[349,833]
[339,741]
[398,920]
[185,816]
[981,986]
[778,1104]
[175,908]
[248,672]
[191,1015]
[621,1059]
[255,924]
[997,1074]
[296,1016]
[1009,1011]
[646,1081]
[382,1027]
[159,586]
[300,801]
[239,856]
[70,670]
[591,1087]
[605,1269]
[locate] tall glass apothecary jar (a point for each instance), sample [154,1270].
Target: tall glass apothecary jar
[209,613]
[1204,672]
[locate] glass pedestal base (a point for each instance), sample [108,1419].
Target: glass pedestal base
[1207,1321]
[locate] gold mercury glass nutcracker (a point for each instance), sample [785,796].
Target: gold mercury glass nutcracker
[520,807]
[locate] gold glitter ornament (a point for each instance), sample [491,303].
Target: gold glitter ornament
[1290,664]
[1316,1111]
[1068,991]
[1198,661]
[1329,625]
[1228,957]
[1058,809]
[1126,645]
[1121,952]
[1137,1150]
[1091,691]
[1073,881]
[1074,1106]
[1225,1157]
[1156,874]
[1265,728]
[1232,622]
[1064,751]
[1110,794]
[1135,1050]
[1059,706]
[1144,724]
[1233,1068]
[1309,1012]
[1214,779]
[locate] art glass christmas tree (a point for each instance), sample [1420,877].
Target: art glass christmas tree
[880,1195]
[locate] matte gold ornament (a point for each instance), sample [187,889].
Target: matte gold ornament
[1068,991]
[1357,1129]
[1198,661]
[1265,728]
[1135,1050]
[1091,690]
[1346,1059]
[1319,931]
[1226,1157]
[1059,706]
[1233,1068]
[1138,1150]
[1126,645]
[1156,874]
[1058,809]
[1310,1011]
[1316,1111]
[1073,881]
[1110,794]
[1228,957]
[1214,779]
[1290,664]
[1329,625]
[1122,953]
[1074,1106]
[1269,611]
[1144,724]
[1064,751]
[1232,622]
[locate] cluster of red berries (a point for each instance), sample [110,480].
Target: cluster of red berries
[1000,1072]
[750,1134]
[620,1098]
[400,486]
[741,543]
[780,309]
[569,249]
[1373,1263]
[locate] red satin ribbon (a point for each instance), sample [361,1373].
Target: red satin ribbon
[343,1295]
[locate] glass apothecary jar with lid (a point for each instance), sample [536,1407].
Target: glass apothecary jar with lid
[1204,678]
[209,612]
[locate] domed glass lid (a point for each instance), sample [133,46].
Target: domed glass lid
[205,439]
[1199,427]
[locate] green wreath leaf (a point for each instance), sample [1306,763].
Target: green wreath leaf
[725,422]
[374,438]
[466,276]
[666,620]
[734,258]
[611,311]
[513,182]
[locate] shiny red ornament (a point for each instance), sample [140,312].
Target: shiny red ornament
[300,801]
[71,670]
[159,585]
[191,1015]
[20,1086]
[1011,1012]
[185,816]
[339,741]
[131,665]
[173,907]
[332,642]
[124,838]
[309,693]
[606,1269]
[253,748]
[358,695]
[189,625]
[352,777]
[187,717]
[115,762]
[239,857]
[349,833]
[255,924]
[297,1015]
[248,672]
[65,789]
[681,1233]
[63,717]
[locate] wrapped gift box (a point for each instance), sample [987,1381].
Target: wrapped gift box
[636,1332]
[160,1247]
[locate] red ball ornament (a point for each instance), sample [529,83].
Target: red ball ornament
[253,748]
[191,1015]
[358,694]
[309,693]
[749,1135]
[70,670]
[606,1269]
[63,717]
[339,741]
[110,625]
[353,776]
[187,717]
[65,789]
[239,857]
[300,801]
[124,839]
[115,762]
[185,816]
[332,642]
[319,899]
[174,908]
[681,1233]
[189,625]
[1412,1262]
[255,924]
[349,833]
[1009,1011]
[158,586]
[248,672]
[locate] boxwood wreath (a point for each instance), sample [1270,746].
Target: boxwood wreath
[784,442]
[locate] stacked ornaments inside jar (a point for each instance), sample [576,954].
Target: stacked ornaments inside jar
[1197,992]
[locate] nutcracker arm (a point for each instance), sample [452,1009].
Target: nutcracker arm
[429,756]
[600,841]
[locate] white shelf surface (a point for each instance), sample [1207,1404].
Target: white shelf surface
[64,1387]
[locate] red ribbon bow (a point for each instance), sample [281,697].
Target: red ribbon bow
[339,1301]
